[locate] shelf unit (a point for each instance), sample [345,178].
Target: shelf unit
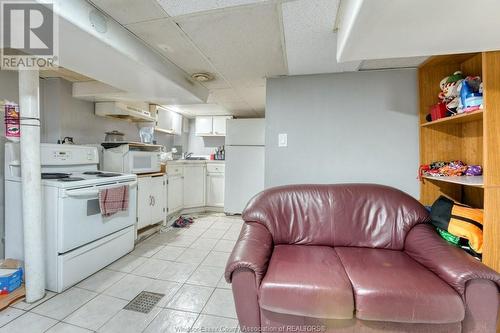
[473,138]
[476,181]
[461,118]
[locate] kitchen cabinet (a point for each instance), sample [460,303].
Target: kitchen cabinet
[194,185]
[176,123]
[158,198]
[211,125]
[215,185]
[167,121]
[175,189]
[219,125]
[151,200]
[143,202]
[203,126]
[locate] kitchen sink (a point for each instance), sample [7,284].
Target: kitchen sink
[196,159]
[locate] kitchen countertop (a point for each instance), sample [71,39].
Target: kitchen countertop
[195,162]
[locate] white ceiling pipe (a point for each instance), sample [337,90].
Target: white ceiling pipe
[34,263]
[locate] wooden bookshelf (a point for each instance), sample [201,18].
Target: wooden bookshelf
[473,138]
[461,118]
[476,181]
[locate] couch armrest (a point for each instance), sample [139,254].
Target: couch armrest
[450,263]
[252,251]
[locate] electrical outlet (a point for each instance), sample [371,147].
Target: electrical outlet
[282,140]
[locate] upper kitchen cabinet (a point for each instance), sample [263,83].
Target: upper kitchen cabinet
[204,126]
[167,121]
[211,125]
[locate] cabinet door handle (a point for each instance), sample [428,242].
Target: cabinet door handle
[151,200]
[154,201]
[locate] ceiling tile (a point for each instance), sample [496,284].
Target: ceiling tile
[168,39]
[183,7]
[244,43]
[311,43]
[392,63]
[229,99]
[254,96]
[130,11]
[224,95]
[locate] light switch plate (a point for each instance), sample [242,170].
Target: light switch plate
[282,140]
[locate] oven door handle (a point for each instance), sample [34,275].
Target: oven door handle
[83,193]
[94,192]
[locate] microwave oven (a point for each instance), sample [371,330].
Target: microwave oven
[135,158]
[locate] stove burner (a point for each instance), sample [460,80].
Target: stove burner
[110,174]
[55,175]
[71,179]
[93,173]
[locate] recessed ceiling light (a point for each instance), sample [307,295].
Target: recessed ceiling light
[202,77]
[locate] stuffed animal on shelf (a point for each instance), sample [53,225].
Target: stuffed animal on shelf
[450,91]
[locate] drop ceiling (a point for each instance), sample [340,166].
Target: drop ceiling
[241,42]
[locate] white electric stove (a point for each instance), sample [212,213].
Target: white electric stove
[79,240]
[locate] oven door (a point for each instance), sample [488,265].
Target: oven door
[143,161]
[79,217]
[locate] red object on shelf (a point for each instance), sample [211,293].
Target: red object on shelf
[438,111]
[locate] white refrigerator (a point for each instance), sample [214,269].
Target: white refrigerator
[244,175]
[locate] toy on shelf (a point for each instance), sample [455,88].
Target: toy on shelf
[459,94]
[452,168]
[471,94]
[450,91]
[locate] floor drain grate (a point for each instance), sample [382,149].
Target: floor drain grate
[144,302]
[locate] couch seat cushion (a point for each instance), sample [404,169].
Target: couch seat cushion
[307,281]
[390,286]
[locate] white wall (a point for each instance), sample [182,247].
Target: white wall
[348,127]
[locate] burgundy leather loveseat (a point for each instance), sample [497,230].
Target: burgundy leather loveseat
[354,258]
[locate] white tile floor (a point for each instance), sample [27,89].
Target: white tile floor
[186,265]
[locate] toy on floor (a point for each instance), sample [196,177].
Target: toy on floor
[182,222]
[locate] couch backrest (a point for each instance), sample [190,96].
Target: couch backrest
[363,215]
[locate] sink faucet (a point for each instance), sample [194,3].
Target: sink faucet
[187,155]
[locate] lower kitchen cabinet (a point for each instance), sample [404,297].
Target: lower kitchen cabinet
[215,184]
[215,189]
[175,193]
[194,185]
[151,200]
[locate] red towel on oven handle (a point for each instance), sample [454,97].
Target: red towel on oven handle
[113,200]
